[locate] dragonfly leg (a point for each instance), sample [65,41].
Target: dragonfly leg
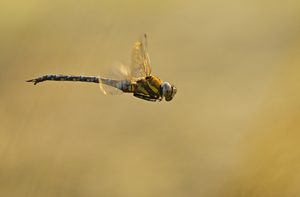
[144,97]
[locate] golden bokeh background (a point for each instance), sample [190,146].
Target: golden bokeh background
[233,129]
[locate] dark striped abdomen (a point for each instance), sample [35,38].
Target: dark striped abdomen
[65,78]
[123,85]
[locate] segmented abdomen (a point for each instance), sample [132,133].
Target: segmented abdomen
[65,78]
[124,85]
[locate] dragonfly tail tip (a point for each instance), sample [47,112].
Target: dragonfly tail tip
[34,81]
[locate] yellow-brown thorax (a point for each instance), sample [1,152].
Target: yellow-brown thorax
[148,86]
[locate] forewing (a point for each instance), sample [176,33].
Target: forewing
[140,61]
[119,71]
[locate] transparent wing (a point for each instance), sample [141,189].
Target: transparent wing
[140,67]
[118,72]
[108,90]
[140,61]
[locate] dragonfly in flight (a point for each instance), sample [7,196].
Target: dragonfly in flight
[136,79]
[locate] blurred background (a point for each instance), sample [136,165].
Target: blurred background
[232,129]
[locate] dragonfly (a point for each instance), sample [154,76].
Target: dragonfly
[135,79]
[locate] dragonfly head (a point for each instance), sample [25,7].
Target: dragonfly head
[168,91]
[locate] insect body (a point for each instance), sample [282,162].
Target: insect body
[136,80]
